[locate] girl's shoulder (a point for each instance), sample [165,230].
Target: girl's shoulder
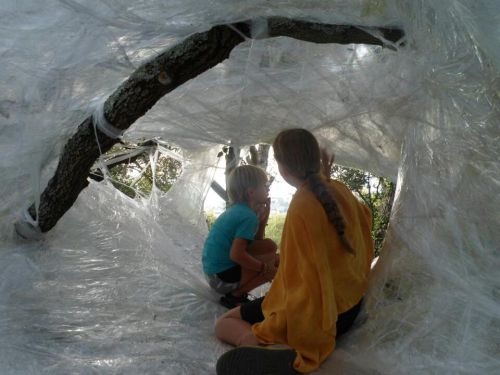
[347,198]
[338,185]
[302,201]
[304,195]
[341,189]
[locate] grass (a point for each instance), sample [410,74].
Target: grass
[274,225]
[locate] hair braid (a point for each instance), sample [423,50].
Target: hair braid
[299,152]
[320,190]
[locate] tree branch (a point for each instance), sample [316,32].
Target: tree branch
[219,190]
[159,76]
[362,196]
[253,158]
[325,33]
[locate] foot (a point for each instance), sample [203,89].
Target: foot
[257,360]
[230,301]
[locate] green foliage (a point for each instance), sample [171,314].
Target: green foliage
[275,227]
[135,175]
[121,180]
[376,192]
[210,218]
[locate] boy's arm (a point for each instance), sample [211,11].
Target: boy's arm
[261,231]
[240,255]
[263,215]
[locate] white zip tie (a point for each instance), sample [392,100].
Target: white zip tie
[29,219]
[27,228]
[239,32]
[103,125]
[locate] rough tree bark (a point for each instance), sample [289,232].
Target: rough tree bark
[130,101]
[154,79]
[258,157]
[232,161]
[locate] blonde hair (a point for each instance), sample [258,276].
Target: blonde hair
[299,152]
[243,178]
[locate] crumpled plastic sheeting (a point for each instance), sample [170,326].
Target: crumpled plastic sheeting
[127,298]
[116,286]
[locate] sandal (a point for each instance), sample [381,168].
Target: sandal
[257,360]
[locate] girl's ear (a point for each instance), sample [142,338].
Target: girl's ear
[283,170]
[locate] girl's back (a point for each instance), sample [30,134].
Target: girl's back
[317,279]
[349,272]
[326,253]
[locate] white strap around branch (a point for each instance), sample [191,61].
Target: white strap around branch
[103,125]
[27,228]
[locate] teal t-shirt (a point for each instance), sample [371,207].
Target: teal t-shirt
[238,221]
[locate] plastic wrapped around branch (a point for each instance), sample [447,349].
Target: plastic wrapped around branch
[116,286]
[149,83]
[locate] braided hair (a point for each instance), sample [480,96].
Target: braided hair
[298,151]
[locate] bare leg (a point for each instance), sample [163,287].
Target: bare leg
[251,279]
[265,247]
[264,250]
[231,329]
[262,247]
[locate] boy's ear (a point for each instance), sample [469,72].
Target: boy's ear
[250,192]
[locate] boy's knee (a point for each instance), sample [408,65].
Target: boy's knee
[270,245]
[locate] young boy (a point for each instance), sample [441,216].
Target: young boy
[236,257]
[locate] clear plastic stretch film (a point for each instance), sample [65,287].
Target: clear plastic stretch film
[116,286]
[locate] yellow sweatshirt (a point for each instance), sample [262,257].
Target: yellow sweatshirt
[317,278]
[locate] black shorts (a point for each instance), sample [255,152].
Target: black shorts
[251,312]
[232,275]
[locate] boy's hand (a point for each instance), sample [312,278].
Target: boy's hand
[270,271]
[264,210]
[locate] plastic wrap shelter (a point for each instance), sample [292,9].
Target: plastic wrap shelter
[116,286]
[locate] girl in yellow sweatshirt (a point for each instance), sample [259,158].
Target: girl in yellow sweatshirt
[326,251]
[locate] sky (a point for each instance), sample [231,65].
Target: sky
[280,191]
